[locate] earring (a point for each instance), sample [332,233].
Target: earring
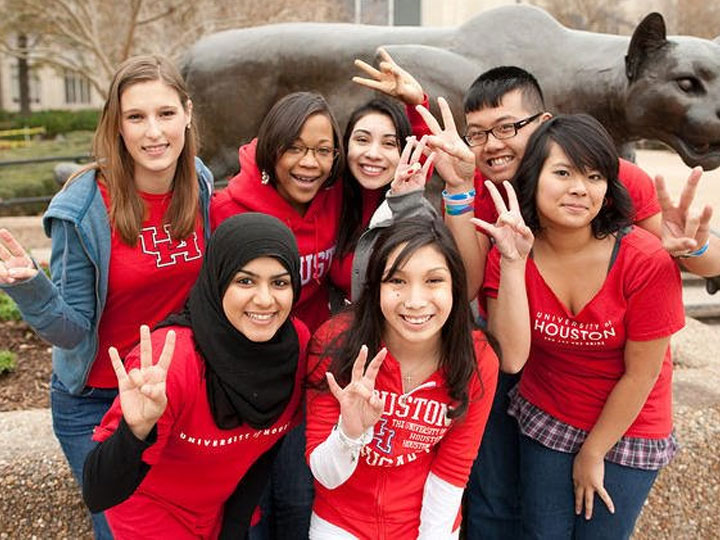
[264,178]
[188,125]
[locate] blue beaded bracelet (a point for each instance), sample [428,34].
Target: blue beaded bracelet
[458,197]
[697,252]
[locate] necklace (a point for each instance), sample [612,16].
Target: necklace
[411,377]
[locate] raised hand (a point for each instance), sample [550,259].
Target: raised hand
[15,263]
[410,174]
[360,406]
[142,391]
[455,162]
[391,80]
[683,231]
[512,237]
[588,479]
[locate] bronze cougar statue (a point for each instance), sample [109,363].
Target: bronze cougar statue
[647,86]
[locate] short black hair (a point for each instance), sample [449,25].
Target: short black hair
[490,87]
[588,146]
[282,126]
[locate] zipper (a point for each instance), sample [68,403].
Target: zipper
[380,504]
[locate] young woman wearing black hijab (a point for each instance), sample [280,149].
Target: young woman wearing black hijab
[190,441]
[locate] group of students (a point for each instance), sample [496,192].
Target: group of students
[250,410]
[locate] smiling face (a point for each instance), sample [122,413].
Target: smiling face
[567,197]
[373,150]
[259,299]
[300,174]
[153,123]
[416,300]
[498,160]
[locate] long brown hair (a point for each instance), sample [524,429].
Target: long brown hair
[114,162]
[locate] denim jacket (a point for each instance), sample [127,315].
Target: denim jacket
[66,311]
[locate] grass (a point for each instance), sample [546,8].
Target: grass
[37,179]
[8,361]
[8,309]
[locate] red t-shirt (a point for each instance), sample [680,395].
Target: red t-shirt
[146,283]
[576,360]
[383,497]
[195,465]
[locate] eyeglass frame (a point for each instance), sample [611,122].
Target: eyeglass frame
[516,125]
[301,155]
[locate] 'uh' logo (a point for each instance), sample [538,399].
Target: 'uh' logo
[166,250]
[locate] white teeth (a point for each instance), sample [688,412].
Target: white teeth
[307,179]
[417,320]
[500,161]
[260,316]
[371,169]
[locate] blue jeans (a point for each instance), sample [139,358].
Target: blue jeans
[548,500]
[74,418]
[287,502]
[493,492]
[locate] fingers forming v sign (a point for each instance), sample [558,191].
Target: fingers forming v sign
[15,264]
[142,390]
[512,237]
[360,406]
[455,162]
[410,174]
[390,79]
[683,230]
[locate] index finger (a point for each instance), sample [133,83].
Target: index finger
[385,56]
[145,347]
[663,196]
[496,197]
[605,497]
[117,365]
[512,196]
[359,365]
[367,68]
[688,192]
[429,119]
[12,245]
[448,120]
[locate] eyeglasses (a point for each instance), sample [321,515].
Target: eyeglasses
[321,153]
[476,137]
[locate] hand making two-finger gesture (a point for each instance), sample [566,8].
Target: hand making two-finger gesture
[142,391]
[410,174]
[360,406]
[683,231]
[15,263]
[455,162]
[512,237]
[391,80]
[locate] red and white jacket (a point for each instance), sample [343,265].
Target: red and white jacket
[414,440]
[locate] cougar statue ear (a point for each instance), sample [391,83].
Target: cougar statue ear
[649,36]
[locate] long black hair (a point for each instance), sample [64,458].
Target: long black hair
[588,147]
[367,322]
[351,216]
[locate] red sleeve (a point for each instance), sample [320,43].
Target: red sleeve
[653,287]
[323,409]
[491,281]
[641,189]
[417,123]
[458,449]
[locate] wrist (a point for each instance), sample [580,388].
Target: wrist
[698,252]
[141,430]
[351,439]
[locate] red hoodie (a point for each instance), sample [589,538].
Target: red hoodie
[316,232]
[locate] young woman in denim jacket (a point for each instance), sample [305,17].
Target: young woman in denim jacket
[127,234]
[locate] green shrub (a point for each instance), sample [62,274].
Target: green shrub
[8,361]
[54,121]
[8,309]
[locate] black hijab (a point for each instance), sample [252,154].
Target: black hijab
[247,382]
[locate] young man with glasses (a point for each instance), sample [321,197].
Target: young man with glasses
[503,107]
